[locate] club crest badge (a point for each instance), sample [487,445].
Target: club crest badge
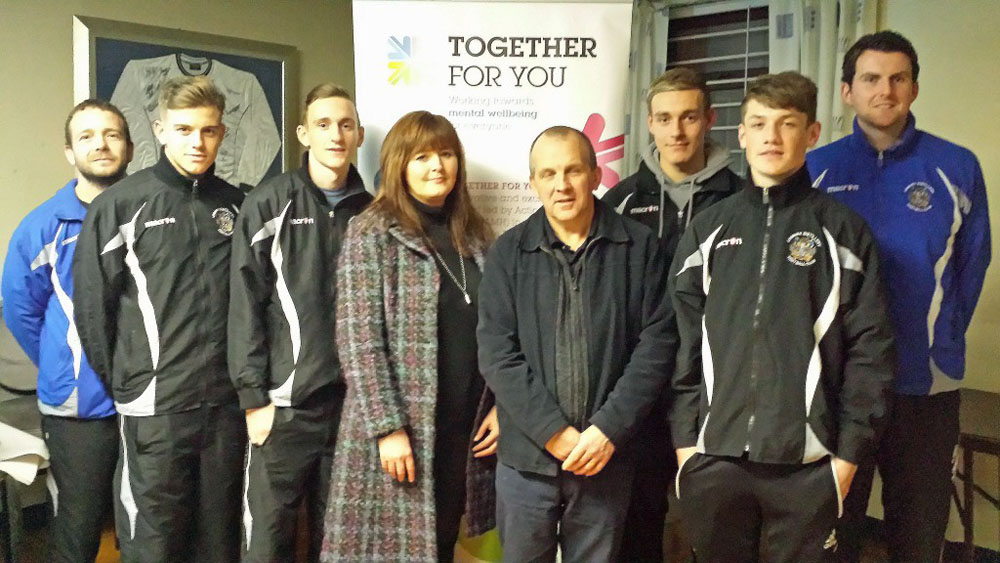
[802,248]
[224,220]
[918,196]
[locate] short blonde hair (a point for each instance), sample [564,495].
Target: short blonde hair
[186,92]
[676,79]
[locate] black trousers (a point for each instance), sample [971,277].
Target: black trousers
[82,457]
[647,511]
[739,511]
[915,461]
[291,466]
[178,486]
[582,516]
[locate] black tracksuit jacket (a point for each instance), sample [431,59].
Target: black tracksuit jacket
[151,278]
[282,299]
[795,359]
[627,320]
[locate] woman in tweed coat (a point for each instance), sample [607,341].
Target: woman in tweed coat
[405,323]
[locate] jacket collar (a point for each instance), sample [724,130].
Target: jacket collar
[903,145]
[607,225]
[419,245]
[354,181]
[68,206]
[169,175]
[792,190]
[714,180]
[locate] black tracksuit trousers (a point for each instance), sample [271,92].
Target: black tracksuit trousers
[178,486]
[739,511]
[82,458]
[915,462]
[293,464]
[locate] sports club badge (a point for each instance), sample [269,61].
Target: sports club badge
[918,196]
[802,248]
[224,219]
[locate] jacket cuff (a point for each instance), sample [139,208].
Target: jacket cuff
[684,437]
[544,431]
[253,398]
[385,425]
[615,432]
[854,444]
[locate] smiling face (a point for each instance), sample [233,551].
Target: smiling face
[191,138]
[678,122]
[775,141]
[882,90]
[564,179]
[98,149]
[431,174]
[331,133]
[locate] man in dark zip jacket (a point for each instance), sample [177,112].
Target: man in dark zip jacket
[681,174]
[281,326]
[152,276]
[785,365]
[574,342]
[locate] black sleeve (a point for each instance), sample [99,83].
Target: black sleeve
[98,281]
[251,279]
[869,359]
[688,297]
[648,368]
[518,390]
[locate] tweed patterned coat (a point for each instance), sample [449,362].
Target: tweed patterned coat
[387,287]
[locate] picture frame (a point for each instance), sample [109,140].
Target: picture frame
[124,63]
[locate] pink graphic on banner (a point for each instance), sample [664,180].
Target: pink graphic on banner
[608,150]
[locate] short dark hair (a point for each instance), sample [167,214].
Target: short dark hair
[883,41]
[563,131]
[676,79]
[784,90]
[95,103]
[328,90]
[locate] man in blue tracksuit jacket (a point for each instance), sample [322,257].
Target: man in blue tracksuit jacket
[77,413]
[925,201]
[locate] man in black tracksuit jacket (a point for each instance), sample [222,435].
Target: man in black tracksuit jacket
[682,173]
[151,273]
[785,360]
[281,326]
[574,342]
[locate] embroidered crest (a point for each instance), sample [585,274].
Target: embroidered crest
[918,196]
[802,247]
[224,220]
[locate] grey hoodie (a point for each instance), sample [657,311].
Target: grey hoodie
[681,193]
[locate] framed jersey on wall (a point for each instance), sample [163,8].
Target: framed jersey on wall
[125,63]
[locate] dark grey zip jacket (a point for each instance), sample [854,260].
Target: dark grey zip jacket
[282,299]
[151,273]
[627,320]
[795,359]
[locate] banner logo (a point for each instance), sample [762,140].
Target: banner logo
[400,51]
[608,151]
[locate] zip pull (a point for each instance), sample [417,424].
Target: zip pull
[767,198]
[194,187]
[881,158]
[680,220]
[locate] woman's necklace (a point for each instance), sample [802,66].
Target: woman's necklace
[461,262]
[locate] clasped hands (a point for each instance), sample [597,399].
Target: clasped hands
[582,453]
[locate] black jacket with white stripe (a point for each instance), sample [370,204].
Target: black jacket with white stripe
[282,300]
[151,273]
[786,350]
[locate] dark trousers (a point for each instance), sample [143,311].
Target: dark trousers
[82,457]
[584,516]
[178,485]
[647,511]
[739,511]
[291,466]
[915,462]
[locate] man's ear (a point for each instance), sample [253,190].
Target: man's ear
[361,136]
[813,133]
[70,157]
[158,131]
[711,116]
[741,134]
[302,135]
[845,93]
[598,174]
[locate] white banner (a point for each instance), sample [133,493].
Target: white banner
[501,72]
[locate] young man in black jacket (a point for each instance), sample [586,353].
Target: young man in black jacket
[574,342]
[681,174]
[151,272]
[281,326]
[784,367]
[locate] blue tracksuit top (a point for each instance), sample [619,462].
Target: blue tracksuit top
[925,201]
[38,307]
